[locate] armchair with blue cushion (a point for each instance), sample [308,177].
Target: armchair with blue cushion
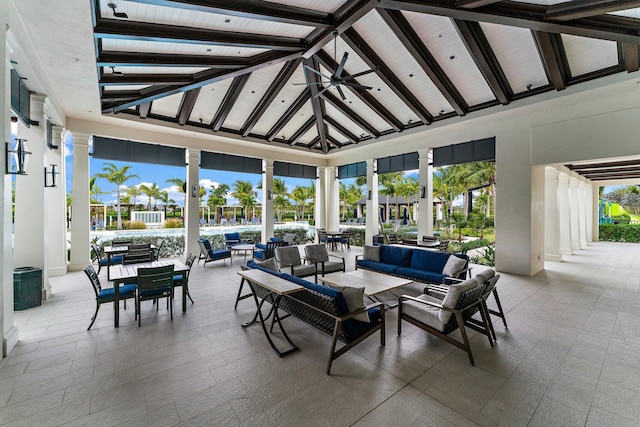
[232,239]
[268,250]
[210,254]
[263,246]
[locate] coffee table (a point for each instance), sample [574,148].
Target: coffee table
[245,248]
[373,283]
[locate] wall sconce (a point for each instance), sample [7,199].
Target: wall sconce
[423,191]
[369,195]
[50,176]
[269,194]
[16,157]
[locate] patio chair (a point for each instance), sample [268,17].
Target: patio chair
[209,254]
[442,247]
[182,279]
[345,240]
[156,251]
[392,239]
[289,260]
[440,314]
[319,254]
[154,283]
[289,238]
[106,295]
[231,239]
[102,261]
[121,242]
[268,251]
[137,256]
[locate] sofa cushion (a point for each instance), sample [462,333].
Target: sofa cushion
[372,253]
[331,266]
[253,264]
[261,246]
[423,259]
[453,266]
[421,275]
[115,259]
[354,298]
[396,255]
[377,266]
[424,313]
[269,264]
[324,290]
[453,295]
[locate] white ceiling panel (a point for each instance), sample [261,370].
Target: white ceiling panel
[351,126]
[124,87]
[167,106]
[373,29]
[154,70]
[296,122]
[441,38]
[629,13]
[209,100]
[177,48]
[586,55]
[517,54]
[308,136]
[321,6]
[256,86]
[278,107]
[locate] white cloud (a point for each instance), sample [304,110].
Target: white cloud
[207,184]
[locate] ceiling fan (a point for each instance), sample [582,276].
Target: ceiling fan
[336,79]
[117,14]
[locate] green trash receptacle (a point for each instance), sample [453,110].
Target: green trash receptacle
[27,287]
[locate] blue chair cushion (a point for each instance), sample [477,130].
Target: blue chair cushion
[421,275]
[259,255]
[377,266]
[207,244]
[178,278]
[116,259]
[219,254]
[232,236]
[276,239]
[108,294]
[429,260]
[154,292]
[396,255]
[261,246]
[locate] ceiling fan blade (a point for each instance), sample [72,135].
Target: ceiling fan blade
[341,93]
[317,72]
[356,85]
[363,73]
[322,91]
[341,66]
[306,84]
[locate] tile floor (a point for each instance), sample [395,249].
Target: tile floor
[570,357]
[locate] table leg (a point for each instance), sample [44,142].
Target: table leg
[116,302]
[108,266]
[185,290]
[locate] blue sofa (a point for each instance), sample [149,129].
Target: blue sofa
[322,307]
[420,265]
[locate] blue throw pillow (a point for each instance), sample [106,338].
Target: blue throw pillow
[396,255]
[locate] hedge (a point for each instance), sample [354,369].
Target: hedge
[620,233]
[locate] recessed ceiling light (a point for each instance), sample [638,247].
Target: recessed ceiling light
[209,50]
[226,21]
[14,62]
[410,75]
[283,100]
[452,57]
[253,91]
[529,86]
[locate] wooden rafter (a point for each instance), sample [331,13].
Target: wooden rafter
[353,116]
[364,95]
[288,115]
[186,105]
[552,52]
[110,79]
[144,109]
[414,45]
[229,100]
[585,8]
[630,57]
[274,89]
[478,47]
[262,10]
[145,59]
[343,130]
[303,129]
[472,4]
[334,141]
[313,82]
[364,51]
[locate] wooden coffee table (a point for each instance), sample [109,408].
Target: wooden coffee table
[373,283]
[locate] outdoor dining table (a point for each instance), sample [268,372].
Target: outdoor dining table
[129,274]
[118,250]
[332,236]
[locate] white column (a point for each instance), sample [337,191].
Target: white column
[582,214]
[9,330]
[320,210]
[589,211]
[32,208]
[425,177]
[574,210]
[333,198]
[57,215]
[564,212]
[192,203]
[595,212]
[267,203]
[372,203]
[551,216]
[80,257]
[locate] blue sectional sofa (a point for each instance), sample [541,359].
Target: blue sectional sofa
[416,264]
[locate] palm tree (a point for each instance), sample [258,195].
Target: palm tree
[389,182]
[180,183]
[300,195]
[164,198]
[485,173]
[94,191]
[217,199]
[118,177]
[406,188]
[244,193]
[133,192]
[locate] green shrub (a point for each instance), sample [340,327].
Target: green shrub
[133,225]
[173,223]
[619,232]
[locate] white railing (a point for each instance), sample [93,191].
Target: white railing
[150,218]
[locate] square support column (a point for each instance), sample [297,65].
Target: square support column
[57,214]
[564,212]
[574,209]
[192,203]
[80,255]
[582,214]
[595,212]
[372,202]
[425,209]
[267,203]
[320,210]
[551,216]
[333,198]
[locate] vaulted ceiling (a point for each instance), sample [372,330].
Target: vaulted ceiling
[258,69]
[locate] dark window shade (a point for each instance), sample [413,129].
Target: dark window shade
[352,170]
[130,151]
[294,170]
[482,150]
[229,162]
[401,162]
[20,98]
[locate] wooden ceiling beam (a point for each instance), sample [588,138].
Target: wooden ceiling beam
[630,57]
[551,51]
[604,176]
[421,54]
[367,54]
[364,95]
[315,141]
[586,166]
[527,15]
[303,129]
[229,100]
[145,59]
[480,50]
[120,95]
[313,81]
[274,89]
[110,79]
[148,31]
[288,115]
[334,141]
[472,4]
[186,105]
[577,9]
[343,130]
[352,115]
[251,9]
[144,110]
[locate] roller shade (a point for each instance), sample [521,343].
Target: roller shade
[229,162]
[401,162]
[138,152]
[482,150]
[352,170]
[294,170]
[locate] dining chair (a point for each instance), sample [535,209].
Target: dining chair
[154,283]
[103,261]
[137,256]
[121,242]
[106,295]
[156,251]
[182,279]
[442,247]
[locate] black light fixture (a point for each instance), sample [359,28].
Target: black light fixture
[113,7]
[16,157]
[423,191]
[50,176]
[269,194]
